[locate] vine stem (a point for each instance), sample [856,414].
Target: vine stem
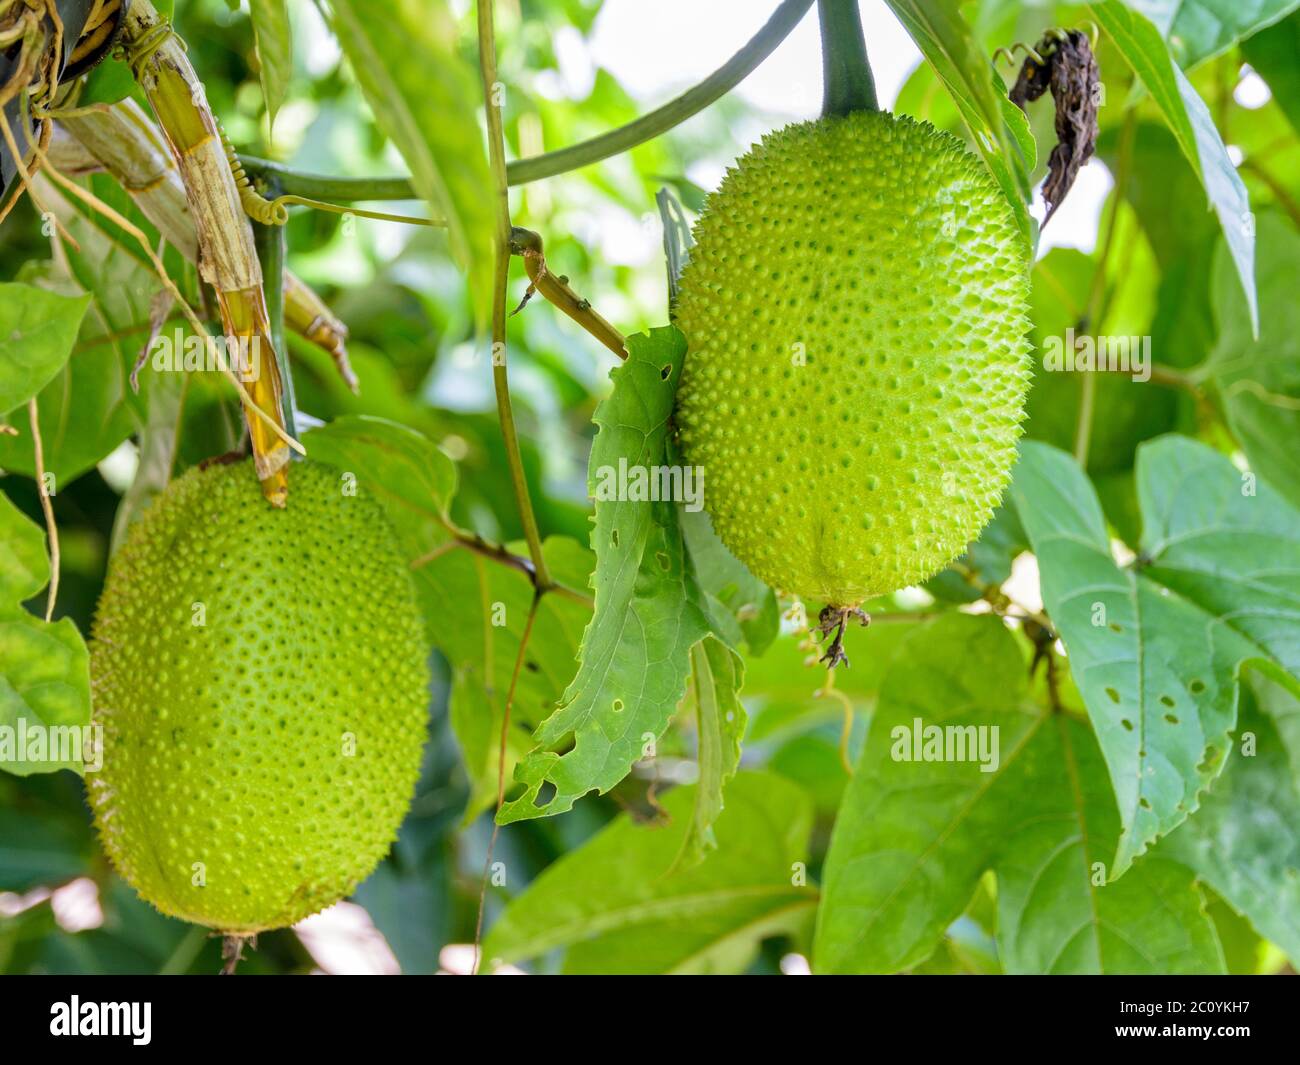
[270,244]
[501,383]
[1279,191]
[522,171]
[51,527]
[847,84]
[1096,306]
[501,777]
[501,277]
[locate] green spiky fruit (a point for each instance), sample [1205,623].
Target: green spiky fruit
[261,680]
[855,309]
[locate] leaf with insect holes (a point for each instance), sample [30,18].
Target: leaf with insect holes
[1189,120]
[407,61]
[1000,129]
[617,904]
[274,51]
[918,828]
[1258,380]
[1244,841]
[650,609]
[1156,652]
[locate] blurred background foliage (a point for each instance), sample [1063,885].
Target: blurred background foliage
[1160,257]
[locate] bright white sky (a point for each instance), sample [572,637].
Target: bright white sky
[658,49]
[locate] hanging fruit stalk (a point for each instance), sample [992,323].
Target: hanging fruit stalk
[306,314]
[528,246]
[227,259]
[124,141]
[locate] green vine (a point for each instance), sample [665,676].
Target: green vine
[522,171]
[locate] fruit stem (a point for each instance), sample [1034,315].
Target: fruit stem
[846,74]
[270,244]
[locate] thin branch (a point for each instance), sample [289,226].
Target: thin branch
[1279,191]
[501,776]
[501,247]
[472,541]
[1168,376]
[1095,310]
[51,528]
[576,156]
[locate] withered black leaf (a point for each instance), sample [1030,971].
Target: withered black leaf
[1069,69]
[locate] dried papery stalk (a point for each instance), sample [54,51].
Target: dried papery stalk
[126,143]
[227,259]
[51,176]
[70,155]
[306,314]
[130,147]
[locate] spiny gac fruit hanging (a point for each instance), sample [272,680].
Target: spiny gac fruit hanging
[260,675]
[855,309]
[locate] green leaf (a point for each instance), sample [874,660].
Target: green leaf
[1244,841]
[110,82]
[274,51]
[1258,380]
[1156,652]
[157,452]
[951,48]
[44,689]
[988,560]
[914,836]
[733,592]
[402,468]
[650,610]
[716,673]
[40,850]
[403,906]
[1198,30]
[24,566]
[88,409]
[617,908]
[1272,53]
[405,57]
[1189,119]
[37,331]
[1128,411]
[678,240]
